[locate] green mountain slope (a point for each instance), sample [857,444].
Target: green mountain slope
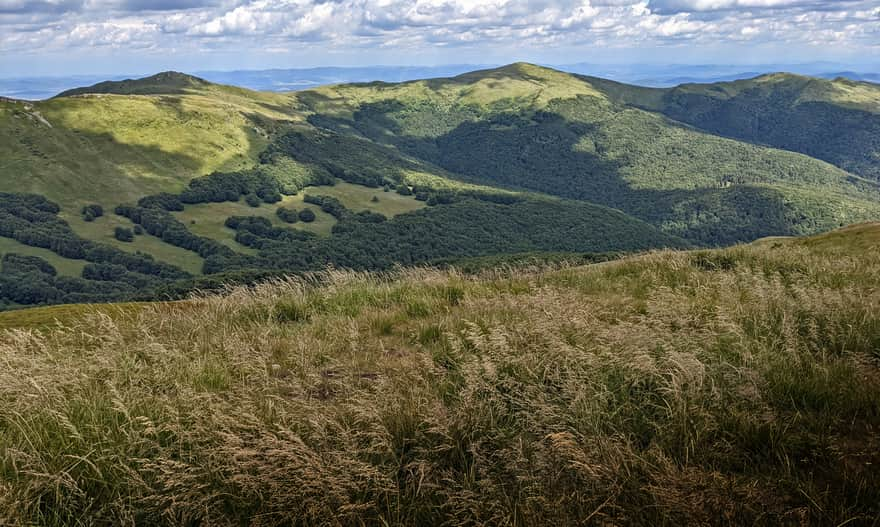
[834,120]
[165,83]
[110,148]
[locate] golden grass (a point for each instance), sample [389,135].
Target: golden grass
[739,386]
[42,318]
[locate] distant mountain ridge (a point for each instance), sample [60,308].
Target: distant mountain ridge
[164,83]
[836,120]
[281,79]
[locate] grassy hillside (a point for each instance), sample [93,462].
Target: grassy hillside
[65,266]
[102,229]
[165,83]
[735,386]
[208,219]
[111,148]
[855,238]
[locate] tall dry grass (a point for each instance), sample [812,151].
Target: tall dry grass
[729,387]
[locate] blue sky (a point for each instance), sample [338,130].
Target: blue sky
[64,37]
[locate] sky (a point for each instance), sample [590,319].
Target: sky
[68,37]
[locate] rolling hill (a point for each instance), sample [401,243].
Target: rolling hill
[165,83]
[121,141]
[193,178]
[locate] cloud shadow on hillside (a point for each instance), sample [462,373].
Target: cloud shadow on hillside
[540,152]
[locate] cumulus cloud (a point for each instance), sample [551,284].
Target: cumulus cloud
[413,26]
[163,5]
[39,6]
[680,6]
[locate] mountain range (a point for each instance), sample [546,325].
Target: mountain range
[287,79]
[151,187]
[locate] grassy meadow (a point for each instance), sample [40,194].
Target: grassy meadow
[64,266]
[359,198]
[736,386]
[209,219]
[101,230]
[86,149]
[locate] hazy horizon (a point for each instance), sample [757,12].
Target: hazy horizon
[73,37]
[292,79]
[863,67]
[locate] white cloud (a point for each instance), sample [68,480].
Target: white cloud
[411,27]
[677,6]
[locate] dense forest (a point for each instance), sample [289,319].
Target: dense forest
[795,113]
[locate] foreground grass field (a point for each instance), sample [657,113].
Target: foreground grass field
[738,386]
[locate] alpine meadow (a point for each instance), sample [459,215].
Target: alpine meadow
[519,296]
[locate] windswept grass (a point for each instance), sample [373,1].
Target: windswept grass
[739,386]
[48,317]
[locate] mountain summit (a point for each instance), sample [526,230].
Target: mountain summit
[164,83]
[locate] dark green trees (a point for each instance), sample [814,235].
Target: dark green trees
[123,234]
[307,215]
[90,212]
[287,215]
[252,200]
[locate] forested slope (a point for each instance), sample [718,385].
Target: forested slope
[571,139]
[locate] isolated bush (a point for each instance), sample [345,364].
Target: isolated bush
[252,200]
[123,234]
[287,215]
[90,212]
[307,215]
